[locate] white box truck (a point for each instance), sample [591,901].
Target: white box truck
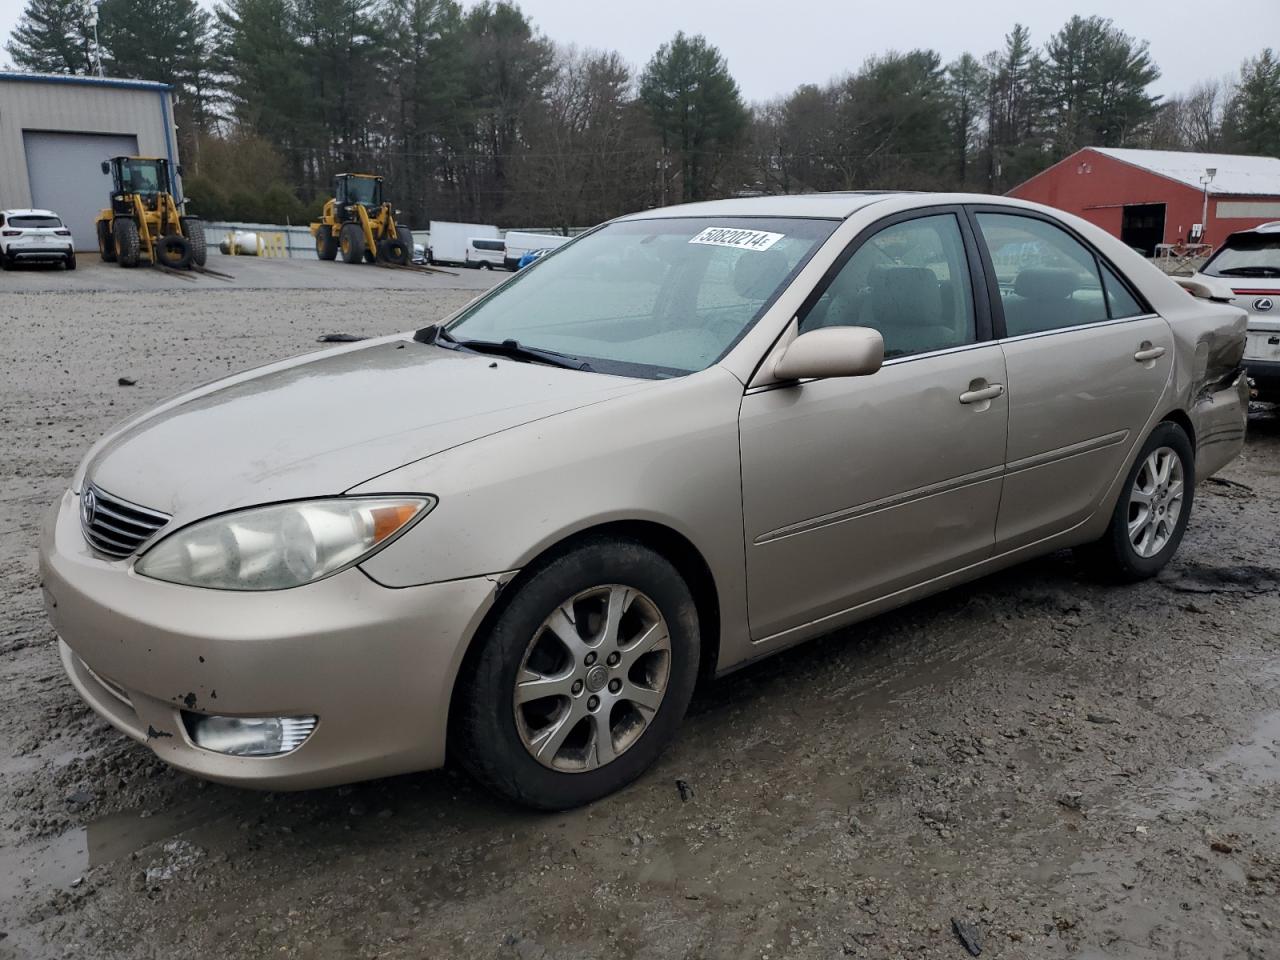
[520,243]
[448,241]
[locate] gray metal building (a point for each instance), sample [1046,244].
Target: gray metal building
[55,131]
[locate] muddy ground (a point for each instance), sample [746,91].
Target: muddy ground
[1068,769]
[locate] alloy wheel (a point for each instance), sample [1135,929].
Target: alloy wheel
[1155,501]
[592,678]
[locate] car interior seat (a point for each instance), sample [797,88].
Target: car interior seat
[1041,300]
[906,306]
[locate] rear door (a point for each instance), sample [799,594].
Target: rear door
[1086,361]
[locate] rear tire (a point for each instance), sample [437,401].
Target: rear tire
[127,242]
[351,243]
[193,229]
[70,262]
[1151,514]
[174,252]
[547,751]
[326,243]
[106,244]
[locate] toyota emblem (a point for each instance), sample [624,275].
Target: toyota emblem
[1263,304]
[88,508]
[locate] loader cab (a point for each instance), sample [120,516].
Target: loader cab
[361,188]
[147,177]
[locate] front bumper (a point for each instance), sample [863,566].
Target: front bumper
[376,665]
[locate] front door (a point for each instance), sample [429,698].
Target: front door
[1087,364]
[856,488]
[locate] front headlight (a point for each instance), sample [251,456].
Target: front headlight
[286,545]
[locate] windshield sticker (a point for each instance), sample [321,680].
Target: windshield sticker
[742,239]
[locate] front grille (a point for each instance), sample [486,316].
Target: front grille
[113,526]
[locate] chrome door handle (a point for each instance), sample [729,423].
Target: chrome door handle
[986,393]
[1148,352]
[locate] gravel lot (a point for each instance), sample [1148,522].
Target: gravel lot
[1065,768]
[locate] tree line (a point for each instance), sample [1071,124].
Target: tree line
[472,113]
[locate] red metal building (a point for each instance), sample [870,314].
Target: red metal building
[1146,197]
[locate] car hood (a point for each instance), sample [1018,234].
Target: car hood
[319,425]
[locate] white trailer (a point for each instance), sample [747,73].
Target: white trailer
[448,240]
[520,243]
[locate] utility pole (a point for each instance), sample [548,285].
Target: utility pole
[1209,174]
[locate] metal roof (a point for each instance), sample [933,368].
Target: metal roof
[84,81]
[1236,175]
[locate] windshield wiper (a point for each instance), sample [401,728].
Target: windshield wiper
[515,350]
[1250,272]
[512,349]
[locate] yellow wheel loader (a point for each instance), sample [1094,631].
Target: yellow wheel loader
[144,221]
[358,224]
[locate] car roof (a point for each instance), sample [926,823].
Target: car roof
[827,206]
[20,212]
[1272,227]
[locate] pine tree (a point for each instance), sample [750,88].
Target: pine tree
[259,58]
[53,36]
[1252,122]
[696,107]
[1094,85]
[967,84]
[162,40]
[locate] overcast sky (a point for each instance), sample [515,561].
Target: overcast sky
[774,45]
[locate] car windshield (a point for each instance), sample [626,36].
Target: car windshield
[1247,255]
[33,221]
[648,298]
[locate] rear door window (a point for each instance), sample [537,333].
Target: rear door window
[1048,279]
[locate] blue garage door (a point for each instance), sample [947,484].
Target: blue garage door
[65,172]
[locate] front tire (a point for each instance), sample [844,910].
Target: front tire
[351,243]
[1151,514]
[127,242]
[581,680]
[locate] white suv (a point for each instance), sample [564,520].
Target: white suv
[34,235]
[1248,263]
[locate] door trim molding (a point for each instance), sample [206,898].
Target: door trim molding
[1066,453]
[875,506]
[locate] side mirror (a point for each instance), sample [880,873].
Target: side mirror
[831,352]
[106,167]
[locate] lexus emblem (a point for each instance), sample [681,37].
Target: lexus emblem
[88,508]
[1263,304]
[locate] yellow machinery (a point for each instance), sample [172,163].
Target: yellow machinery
[360,225]
[144,221]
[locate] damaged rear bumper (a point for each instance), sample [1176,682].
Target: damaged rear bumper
[1220,417]
[376,665]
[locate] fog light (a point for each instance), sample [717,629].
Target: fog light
[248,736]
